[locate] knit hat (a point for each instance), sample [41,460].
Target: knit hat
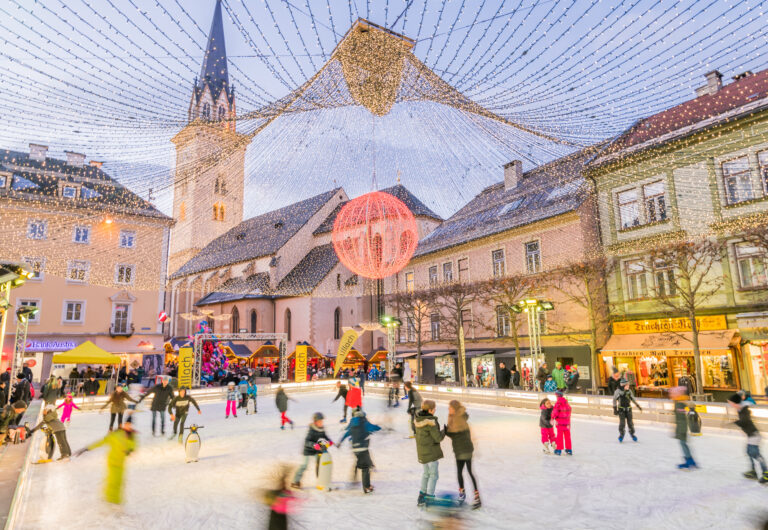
[19,405]
[317,416]
[735,399]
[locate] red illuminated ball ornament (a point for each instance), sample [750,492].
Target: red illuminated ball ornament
[375,235]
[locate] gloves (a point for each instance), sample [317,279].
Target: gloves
[615,411]
[81,451]
[638,408]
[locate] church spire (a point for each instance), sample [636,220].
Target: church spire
[214,68]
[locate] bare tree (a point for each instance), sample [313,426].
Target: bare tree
[416,307]
[582,284]
[452,300]
[685,281]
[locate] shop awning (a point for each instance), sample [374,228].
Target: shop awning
[380,355]
[266,350]
[237,350]
[311,353]
[405,354]
[710,343]
[86,353]
[438,353]
[477,353]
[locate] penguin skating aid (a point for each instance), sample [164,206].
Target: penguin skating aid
[192,444]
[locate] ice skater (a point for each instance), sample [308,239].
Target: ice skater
[341,392]
[117,401]
[232,398]
[746,424]
[545,424]
[359,431]
[354,397]
[678,395]
[622,407]
[162,394]
[253,391]
[428,438]
[414,405]
[181,405]
[242,388]
[281,501]
[561,414]
[281,401]
[312,447]
[54,424]
[121,443]
[68,404]
[461,440]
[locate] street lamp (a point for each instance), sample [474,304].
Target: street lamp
[12,274]
[533,308]
[392,324]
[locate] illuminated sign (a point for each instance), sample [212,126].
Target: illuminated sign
[50,345]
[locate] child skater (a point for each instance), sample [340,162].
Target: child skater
[461,440]
[678,395]
[753,437]
[68,405]
[121,443]
[561,414]
[359,430]
[281,501]
[281,401]
[312,447]
[428,438]
[232,399]
[545,423]
[252,394]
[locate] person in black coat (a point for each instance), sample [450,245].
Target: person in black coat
[21,392]
[342,393]
[91,386]
[181,403]
[3,393]
[312,447]
[504,376]
[163,393]
[614,382]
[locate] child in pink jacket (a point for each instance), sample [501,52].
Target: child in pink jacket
[68,405]
[561,414]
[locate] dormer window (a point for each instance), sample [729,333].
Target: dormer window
[3,181]
[278,225]
[69,192]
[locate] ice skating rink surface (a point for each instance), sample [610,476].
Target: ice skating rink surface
[604,485]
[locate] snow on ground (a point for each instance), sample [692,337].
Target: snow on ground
[604,485]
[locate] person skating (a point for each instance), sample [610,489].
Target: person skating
[117,405]
[280,500]
[359,431]
[545,424]
[341,392]
[561,414]
[281,401]
[232,398]
[121,443]
[354,398]
[622,407]
[558,374]
[242,388]
[253,392]
[414,404]
[68,404]
[457,430]
[312,447]
[181,403]
[680,399]
[163,393]
[746,424]
[428,438]
[54,424]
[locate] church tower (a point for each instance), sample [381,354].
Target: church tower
[210,157]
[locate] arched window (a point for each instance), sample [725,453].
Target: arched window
[253,321]
[235,320]
[222,212]
[222,112]
[338,282]
[287,324]
[182,212]
[206,111]
[210,324]
[337,324]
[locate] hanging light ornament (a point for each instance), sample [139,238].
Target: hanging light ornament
[375,235]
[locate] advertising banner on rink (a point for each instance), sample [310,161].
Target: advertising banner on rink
[301,363]
[345,345]
[186,367]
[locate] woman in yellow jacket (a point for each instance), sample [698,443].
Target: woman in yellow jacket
[121,443]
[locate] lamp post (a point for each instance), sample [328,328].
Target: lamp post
[392,324]
[12,274]
[533,309]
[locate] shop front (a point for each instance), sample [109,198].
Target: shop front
[753,328]
[39,352]
[482,368]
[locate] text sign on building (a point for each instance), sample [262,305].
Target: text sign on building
[301,363]
[186,367]
[662,325]
[50,345]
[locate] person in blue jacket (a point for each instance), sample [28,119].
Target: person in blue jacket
[252,392]
[550,385]
[359,431]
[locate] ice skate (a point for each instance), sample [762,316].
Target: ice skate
[547,449]
[421,500]
[634,438]
[764,478]
[462,495]
[44,461]
[343,420]
[296,485]
[558,452]
[368,490]
[621,438]
[751,475]
[476,503]
[569,452]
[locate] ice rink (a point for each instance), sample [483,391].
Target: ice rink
[604,485]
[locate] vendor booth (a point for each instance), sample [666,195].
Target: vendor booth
[88,354]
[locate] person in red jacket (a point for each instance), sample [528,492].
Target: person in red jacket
[561,414]
[354,397]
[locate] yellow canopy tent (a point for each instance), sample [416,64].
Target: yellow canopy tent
[86,353]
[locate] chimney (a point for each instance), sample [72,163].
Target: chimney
[96,163]
[513,172]
[714,83]
[75,159]
[38,152]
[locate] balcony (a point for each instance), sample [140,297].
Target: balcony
[121,329]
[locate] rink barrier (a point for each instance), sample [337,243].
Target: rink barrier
[33,449]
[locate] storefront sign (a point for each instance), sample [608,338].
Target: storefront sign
[345,345]
[301,363]
[661,325]
[50,345]
[186,367]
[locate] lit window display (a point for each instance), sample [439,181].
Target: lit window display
[483,371]
[719,371]
[445,368]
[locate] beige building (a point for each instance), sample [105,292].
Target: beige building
[98,250]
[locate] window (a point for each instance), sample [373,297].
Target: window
[337,324]
[434,325]
[751,263]
[74,311]
[463,269]
[409,283]
[77,271]
[410,327]
[206,111]
[737,180]
[216,186]
[69,192]
[433,275]
[182,212]
[3,181]
[762,162]
[287,323]
[532,257]
[124,274]
[637,286]
[82,234]
[448,272]
[497,257]
[222,112]
[127,239]
[629,210]
[34,319]
[218,212]
[466,322]
[37,229]
[120,322]
[37,265]
[655,205]
[664,275]
[253,321]
[503,325]
[338,282]
[235,320]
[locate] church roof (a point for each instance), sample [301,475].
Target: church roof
[309,272]
[214,71]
